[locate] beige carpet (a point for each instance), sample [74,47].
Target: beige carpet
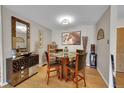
[93,80]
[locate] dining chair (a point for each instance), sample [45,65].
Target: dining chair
[78,69]
[59,52]
[52,67]
[79,51]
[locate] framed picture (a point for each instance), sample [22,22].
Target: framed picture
[100,34]
[71,38]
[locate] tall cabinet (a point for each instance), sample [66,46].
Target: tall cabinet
[93,57]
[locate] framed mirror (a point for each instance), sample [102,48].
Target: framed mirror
[20,34]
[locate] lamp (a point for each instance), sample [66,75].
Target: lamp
[14,53]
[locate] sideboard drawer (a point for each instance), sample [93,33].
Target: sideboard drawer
[23,74]
[15,79]
[33,70]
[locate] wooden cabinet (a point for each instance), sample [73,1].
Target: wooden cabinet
[17,70]
[51,52]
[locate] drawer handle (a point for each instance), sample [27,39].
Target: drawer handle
[22,67]
[22,72]
[22,76]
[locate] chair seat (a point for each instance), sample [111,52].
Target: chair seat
[72,68]
[52,64]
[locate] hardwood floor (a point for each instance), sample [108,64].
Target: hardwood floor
[120,79]
[93,80]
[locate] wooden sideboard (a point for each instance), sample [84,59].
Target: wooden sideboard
[21,68]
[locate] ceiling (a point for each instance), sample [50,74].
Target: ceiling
[46,15]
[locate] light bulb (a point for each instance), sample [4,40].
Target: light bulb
[65,21]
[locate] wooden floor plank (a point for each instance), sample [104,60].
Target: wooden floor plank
[120,79]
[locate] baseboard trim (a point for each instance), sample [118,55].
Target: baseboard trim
[3,84]
[102,77]
[88,65]
[0,84]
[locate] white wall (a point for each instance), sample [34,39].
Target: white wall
[35,28]
[86,30]
[109,23]
[102,48]
[0,46]
[113,40]
[34,35]
[120,22]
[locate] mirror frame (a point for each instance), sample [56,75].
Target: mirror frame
[13,30]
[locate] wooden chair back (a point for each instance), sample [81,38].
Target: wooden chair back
[47,57]
[80,61]
[79,51]
[59,51]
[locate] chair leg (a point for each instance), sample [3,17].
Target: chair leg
[48,74]
[84,82]
[66,73]
[60,72]
[76,84]
[76,76]
[73,75]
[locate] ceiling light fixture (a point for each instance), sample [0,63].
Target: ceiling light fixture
[65,20]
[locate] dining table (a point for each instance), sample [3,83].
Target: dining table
[65,60]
